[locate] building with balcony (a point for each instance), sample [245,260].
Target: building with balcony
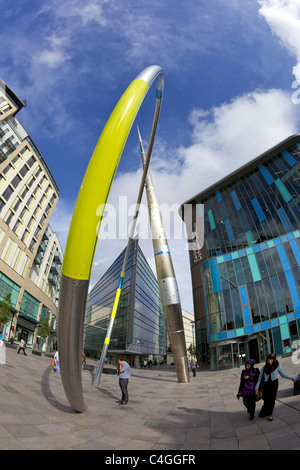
[139,330]
[30,253]
[244,255]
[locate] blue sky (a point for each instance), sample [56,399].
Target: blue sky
[231,78]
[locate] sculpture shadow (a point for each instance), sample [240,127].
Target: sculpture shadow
[46,390]
[101,390]
[109,394]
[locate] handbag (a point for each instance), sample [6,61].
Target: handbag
[261,386]
[52,362]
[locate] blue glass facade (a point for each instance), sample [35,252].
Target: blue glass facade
[139,329]
[247,283]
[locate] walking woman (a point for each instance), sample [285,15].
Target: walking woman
[269,376]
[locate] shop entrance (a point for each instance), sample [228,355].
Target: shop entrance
[240,354]
[23,334]
[243,353]
[25,330]
[253,350]
[235,354]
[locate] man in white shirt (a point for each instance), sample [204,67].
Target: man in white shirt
[22,347]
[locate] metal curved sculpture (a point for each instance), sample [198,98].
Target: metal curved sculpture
[85,226]
[167,283]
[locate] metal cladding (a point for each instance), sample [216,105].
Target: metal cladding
[168,289]
[130,238]
[73,296]
[86,222]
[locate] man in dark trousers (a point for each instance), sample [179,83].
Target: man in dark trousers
[124,372]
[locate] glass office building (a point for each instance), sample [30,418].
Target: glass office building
[139,330]
[245,257]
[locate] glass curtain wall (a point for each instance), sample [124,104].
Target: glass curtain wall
[139,329]
[251,278]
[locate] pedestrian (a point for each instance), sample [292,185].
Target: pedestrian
[268,381]
[193,367]
[124,372]
[83,359]
[249,378]
[22,346]
[56,363]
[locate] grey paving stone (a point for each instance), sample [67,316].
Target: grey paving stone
[161,415]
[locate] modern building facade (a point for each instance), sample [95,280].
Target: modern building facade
[30,253]
[244,255]
[139,330]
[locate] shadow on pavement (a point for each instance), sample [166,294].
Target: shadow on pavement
[49,395]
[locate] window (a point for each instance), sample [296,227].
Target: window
[31,161]
[10,144]
[7,193]
[24,192]
[17,224]
[23,171]
[16,181]
[2,156]
[8,217]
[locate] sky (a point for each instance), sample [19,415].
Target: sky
[232,91]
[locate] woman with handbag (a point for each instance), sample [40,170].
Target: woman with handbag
[269,376]
[249,377]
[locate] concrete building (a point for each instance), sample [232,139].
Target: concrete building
[244,256]
[189,332]
[30,253]
[189,335]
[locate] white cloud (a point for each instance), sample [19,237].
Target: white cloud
[283,17]
[61,219]
[70,10]
[54,54]
[52,58]
[228,136]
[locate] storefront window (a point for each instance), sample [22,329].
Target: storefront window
[213,358]
[224,357]
[24,334]
[235,354]
[240,354]
[29,306]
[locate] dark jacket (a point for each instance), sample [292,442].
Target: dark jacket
[247,385]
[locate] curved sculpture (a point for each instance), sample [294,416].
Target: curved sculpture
[85,226]
[130,238]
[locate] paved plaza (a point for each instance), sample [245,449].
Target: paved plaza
[161,414]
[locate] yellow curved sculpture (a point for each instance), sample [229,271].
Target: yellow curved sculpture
[86,220]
